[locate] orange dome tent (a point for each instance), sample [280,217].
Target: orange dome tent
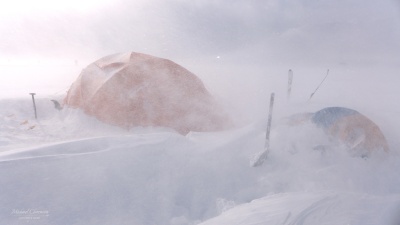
[135,89]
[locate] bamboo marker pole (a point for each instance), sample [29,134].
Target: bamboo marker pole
[290,79]
[34,104]
[263,155]
[312,94]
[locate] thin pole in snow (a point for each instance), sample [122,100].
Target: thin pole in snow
[34,104]
[290,79]
[312,94]
[263,156]
[271,106]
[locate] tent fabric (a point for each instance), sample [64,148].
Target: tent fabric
[351,127]
[327,117]
[135,89]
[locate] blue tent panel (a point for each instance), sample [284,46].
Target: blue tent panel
[327,117]
[351,128]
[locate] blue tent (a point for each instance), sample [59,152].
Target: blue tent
[348,126]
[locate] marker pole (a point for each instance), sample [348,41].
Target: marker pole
[259,160]
[34,104]
[290,79]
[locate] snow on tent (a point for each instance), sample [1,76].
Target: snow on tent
[356,131]
[134,89]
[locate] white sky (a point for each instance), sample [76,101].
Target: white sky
[262,32]
[19,7]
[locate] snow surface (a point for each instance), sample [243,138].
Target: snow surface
[68,168]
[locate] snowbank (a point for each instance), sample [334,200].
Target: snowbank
[314,208]
[68,168]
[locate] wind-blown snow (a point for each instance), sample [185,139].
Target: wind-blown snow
[68,168]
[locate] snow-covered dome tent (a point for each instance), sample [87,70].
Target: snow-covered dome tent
[354,129]
[347,127]
[135,89]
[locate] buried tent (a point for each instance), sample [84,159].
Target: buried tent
[134,89]
[349,127]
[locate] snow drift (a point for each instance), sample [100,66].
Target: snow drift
[69,168]
[74,169]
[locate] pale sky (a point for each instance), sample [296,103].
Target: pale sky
[177,28]
[326,32]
